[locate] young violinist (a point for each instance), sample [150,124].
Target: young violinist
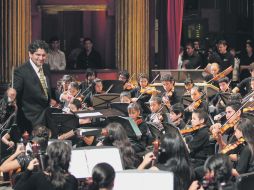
[176,115]
[85,86]
[125,77]
[224,85]
[67,96]
[97,88]
[170,96]
[172,157]
[134,113]
[198,102]
[245,134]
[62,86]
[188,84]
[233,115]
[142,93]
[215,69]
[158,114]
[74,106]
[198,142]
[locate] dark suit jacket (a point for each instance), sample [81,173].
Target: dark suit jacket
[31,100]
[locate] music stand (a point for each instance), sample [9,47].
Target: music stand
[224,97]
[63,123]
[122,107]
[186,100]
[129,125]
[103,101]
[117,85]
[155,132]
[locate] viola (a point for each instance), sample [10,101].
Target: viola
[191,129]
[232,146]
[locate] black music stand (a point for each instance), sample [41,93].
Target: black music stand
[103,101]
[117,85]
[155,132]
[122,107]
[129,125]
[63,123]
[187,100]
[224,97]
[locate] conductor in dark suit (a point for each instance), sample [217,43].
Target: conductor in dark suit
[32,83]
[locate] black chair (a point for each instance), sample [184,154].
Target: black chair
[245,181]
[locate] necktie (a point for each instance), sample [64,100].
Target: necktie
[43,82]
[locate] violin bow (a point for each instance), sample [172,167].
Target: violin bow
[109,88]
[225,72]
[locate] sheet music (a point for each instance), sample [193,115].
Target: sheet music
[92,114]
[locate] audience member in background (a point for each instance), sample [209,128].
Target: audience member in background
[247,57]
[117,137]
[73,56]
[56,58]
[89,57]
[223,57]
[191,60]
[103,176]
[173,156]
[55,176]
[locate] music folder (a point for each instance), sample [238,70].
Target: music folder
[84,159]
[143,179]
[103,101]
[129,125]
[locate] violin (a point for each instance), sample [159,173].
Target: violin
[149,90]
[194,105]
[228,126]
[191,129]
[221,74]
[156,146]
[231,147]
[248,109]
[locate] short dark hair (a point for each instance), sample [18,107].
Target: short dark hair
[167,77]
[87,39]
[177,108]
[188,81]
[77,103]
[53,39]
[38,44]
[90,72]
[223,42]
[156,99]
[225,79]
[189,44]
[125,74]
[235,105]
[201,114]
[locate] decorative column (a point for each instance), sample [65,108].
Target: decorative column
[132,35]
[15,35]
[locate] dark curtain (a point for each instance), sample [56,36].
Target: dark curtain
[174,26]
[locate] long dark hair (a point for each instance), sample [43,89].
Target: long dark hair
[247,128]
[118,138]
[103,176]
[174,157]
[59,156]
[221,166]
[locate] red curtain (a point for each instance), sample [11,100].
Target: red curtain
[174,26]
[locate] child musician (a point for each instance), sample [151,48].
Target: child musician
[199,139]
[170,96]
[217,100]
[176,115]
[134,113]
